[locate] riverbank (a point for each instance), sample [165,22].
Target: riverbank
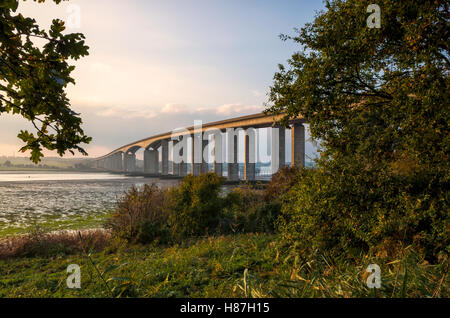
[85,222]
[246,265]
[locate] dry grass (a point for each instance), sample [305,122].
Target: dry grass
[40,243]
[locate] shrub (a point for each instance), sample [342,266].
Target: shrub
[194,207]
[139,215]
[361,211]
[281,182]
[38,242]
[246,210]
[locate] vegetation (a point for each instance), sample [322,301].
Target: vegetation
[377,99]
[243,257]
[33,79]
[244,265]
[194,208]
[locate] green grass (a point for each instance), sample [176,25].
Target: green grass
[248,265]
[55,223]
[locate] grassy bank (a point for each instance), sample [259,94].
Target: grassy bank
[49,223]
[249,265]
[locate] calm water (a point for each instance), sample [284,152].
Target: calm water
[27,197]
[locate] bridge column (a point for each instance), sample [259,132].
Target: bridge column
[118,162]
[129,162]
[196,154]
[205,165]
[175,166]
[151,161]
[278,148]
[232,155]
[183,163]
[298,145]
[218,156]
[250,158]
[109,163]
[165,157]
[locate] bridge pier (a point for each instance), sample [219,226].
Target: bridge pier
[298,145]
[250,158]
[232,155]
[278,148]
[204,166]
[118,161]
[151,161]
[165,157]
[183,153]
[218,156]
[175,165]
[129,162]
[196,155]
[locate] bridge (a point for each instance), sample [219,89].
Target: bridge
[214,135]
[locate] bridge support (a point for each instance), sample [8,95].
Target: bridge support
[218,156]
[298,145]
[196,155]
[205,166]
[129,162]
[278,148]
[232,155]
[183,153]
[250,158]
[165,157]
[175,166]
[151,161]
[118,161]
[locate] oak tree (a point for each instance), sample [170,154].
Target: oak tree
[34,73]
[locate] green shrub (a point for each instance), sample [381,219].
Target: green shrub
[139,215]
[247,211]
[194,207]
[363,211]
[281,182]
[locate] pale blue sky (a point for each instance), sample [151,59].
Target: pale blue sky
[157,65]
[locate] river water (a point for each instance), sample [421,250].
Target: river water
[32,197]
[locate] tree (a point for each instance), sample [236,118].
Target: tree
[33,80]
[378,100]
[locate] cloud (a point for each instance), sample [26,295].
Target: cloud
[238,109]
[126,113]
[257,93]
[173,109]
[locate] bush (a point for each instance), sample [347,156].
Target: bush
[247,211]
[281,182]
[194,207]
[139,215]
[39,242]
[351,213]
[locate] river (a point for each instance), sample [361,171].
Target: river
[35,197]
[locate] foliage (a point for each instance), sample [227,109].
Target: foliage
[377,99]
[194,207]
[39,242]
[139,215]
[247,211]
[281,182]
[33,79]
[215,267]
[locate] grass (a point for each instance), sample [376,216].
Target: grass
[250,265]
[55,223]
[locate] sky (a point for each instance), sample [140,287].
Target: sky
[157,65]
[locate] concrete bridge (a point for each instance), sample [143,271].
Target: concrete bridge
[200,137]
